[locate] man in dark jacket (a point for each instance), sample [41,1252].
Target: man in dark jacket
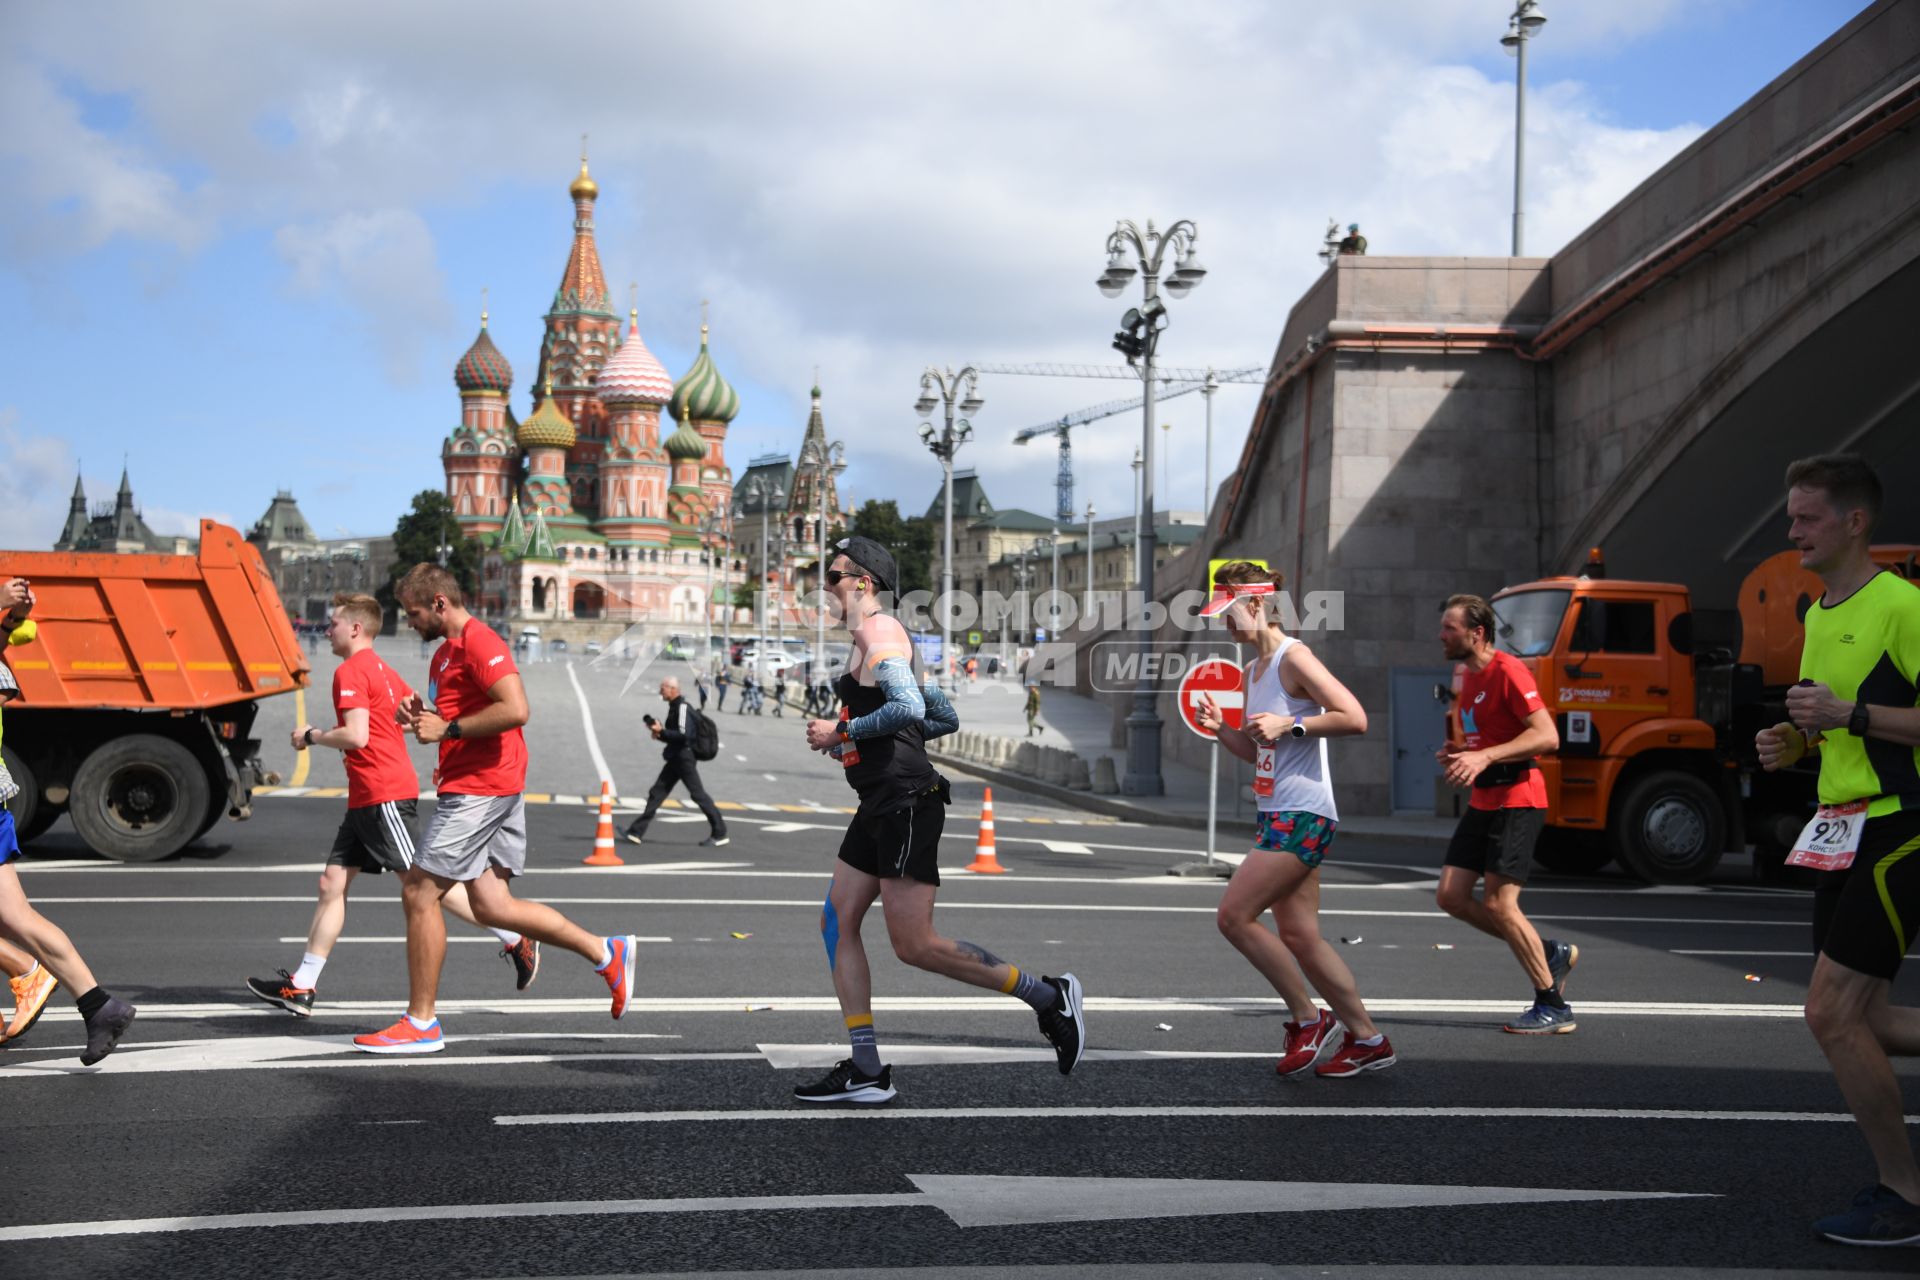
[677,735]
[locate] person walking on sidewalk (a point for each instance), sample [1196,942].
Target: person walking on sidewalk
[382,795]
[700,687]
[474,708]
[892,845]
[1856,705]
[106,1016]
[721,683]
[1504,727]
[780,694]
[1033,705]
[681,766]
[1293,705]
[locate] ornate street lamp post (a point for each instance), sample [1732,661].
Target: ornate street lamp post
[941,389]
[1139,340]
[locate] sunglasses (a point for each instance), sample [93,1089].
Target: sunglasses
[835,577]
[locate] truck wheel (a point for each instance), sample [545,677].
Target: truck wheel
[1668,828]
[139,798]
[216,810]
[1576,853]
[32,815]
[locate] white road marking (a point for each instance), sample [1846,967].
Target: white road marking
[787,828]
[1806,954]
[1066,846]
[593,739]
[361,1011]
[1064,908]
[968,1200]
[741,759]
[492,942]
[770,777]
[1183,1113]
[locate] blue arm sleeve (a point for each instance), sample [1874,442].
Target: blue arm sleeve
[941,718]
[904,704]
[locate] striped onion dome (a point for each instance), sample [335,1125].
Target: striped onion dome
[686,443]
[703,395]
[631,375]
[548,427]
[483,368]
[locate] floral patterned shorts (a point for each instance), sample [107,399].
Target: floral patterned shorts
[1304,835]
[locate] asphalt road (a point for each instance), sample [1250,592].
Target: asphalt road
[1689,1123]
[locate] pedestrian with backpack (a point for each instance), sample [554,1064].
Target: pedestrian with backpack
[688,737]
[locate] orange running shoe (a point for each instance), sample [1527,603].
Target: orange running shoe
[31,991]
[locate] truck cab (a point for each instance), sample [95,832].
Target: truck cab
[1656,764]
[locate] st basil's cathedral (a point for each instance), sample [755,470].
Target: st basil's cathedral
[610,516]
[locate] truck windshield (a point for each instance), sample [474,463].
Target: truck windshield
[1529,621]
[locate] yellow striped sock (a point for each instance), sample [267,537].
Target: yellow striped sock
[859,1020]
[1013,980]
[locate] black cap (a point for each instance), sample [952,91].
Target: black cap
[875,559]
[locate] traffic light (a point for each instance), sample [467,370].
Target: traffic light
[1139,329]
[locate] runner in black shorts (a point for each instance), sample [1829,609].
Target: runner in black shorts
[1503,727]
[1857,704]
[382,793]
[891,845]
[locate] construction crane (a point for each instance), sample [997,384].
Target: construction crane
[1174,383]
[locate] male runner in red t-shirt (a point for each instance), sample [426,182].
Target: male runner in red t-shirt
[382,793]
[1505,727]
[477,836]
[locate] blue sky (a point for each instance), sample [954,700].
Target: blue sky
[243,249]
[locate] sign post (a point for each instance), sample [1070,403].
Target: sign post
[1220,680]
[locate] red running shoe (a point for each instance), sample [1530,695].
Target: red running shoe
[402,1037]
[1306,1044]
[1353,1058]
[619,971]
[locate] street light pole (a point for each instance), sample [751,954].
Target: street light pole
[1140,340]
[1524,23]
[828,462]
[1207,389]
[760,490]
[964,387]
[1086,606]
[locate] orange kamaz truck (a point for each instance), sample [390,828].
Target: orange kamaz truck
[1657,712]
[139,691]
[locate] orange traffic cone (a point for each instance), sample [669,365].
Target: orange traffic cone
[984,863]
[603,854]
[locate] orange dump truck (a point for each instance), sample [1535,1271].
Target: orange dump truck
[1656,764]
[139,691]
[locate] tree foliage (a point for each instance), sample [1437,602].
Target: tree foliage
[909,538]
[420,535]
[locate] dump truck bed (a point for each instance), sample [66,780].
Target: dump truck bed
[155,632]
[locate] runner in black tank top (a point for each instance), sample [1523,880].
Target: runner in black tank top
[891,847]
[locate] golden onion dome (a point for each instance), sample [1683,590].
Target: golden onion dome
[548,427]
[584,187]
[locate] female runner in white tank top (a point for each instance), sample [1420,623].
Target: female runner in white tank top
[1293,705]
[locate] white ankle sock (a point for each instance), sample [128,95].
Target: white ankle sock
[418,1025]
[1371,1041]
[307,976]
[508,938]
[606,954]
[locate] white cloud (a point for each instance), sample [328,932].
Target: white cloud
[383,264]
[866,186]
[36,479]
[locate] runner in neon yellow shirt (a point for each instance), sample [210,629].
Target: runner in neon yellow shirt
[1857,704]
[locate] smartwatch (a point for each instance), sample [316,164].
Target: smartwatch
[307,737]
[453,730]
[1298,729]
[1857,722]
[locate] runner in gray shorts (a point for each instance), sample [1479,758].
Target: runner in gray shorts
[467,834]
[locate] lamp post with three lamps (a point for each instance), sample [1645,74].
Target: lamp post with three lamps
[1086,604]
[962,387]
[1139,340]
[766,494]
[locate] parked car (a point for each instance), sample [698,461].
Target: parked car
[594,647]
